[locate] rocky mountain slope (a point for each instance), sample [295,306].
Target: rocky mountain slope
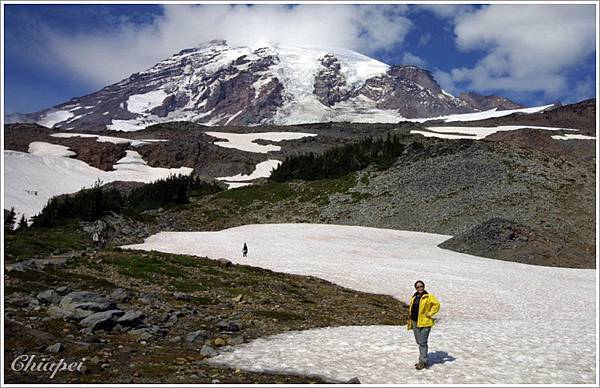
[217,84]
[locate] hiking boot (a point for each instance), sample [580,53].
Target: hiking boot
[421,365]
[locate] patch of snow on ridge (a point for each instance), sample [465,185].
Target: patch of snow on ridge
[481,115]
[108,139]
[31,180]
[245,141]
[262,170]
[41,148]
[493,350]
[235,185]
[573,137]
[53,118]
[131,157]
[141,103]
[478,133]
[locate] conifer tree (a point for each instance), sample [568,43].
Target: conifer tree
[9,220]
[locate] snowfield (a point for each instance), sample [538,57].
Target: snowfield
[500,322]
[481,115]
[108,139]
[478,133]
[245,141]
[32,179]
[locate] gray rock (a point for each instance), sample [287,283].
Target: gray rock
[235,341]
[353,380]
[20,266]
[146,333]
[182,296]
[208,351]
[104,320]
[80,304]
[225,262]
[21,300]
[198,335]
[232,326]
[63,290]
[131,319]
[49,297]
[119,295]
[57,347]
[148,299]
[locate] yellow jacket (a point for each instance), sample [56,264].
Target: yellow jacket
[428,307]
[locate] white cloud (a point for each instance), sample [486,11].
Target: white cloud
[411,59]
[424,39]
[528,47]
[448,11]
[105,58]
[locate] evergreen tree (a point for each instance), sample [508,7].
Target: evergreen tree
[22,223]
[9,220]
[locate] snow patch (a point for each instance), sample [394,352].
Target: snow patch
[245,141]
[31,180]
[50,119]
[481,115]
[477,133]
[41,148]
[108,139]
[262,170]
[573,137]
[141,103]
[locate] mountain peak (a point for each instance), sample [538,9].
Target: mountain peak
[219,84]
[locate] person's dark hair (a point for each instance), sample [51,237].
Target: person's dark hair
[419,281]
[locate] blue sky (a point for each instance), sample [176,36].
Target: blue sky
[533,54]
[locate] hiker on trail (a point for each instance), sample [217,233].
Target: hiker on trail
[96,239]
[423,306]
[245,250]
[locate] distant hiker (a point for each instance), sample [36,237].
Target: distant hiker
[96,239]
[245,250]
[423,306]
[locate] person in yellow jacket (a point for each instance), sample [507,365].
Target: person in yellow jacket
[423,306]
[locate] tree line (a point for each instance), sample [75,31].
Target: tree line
[91,203]
[341,160]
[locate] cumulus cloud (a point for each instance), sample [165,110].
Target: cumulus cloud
[411,59]
[130,47]
[448,11]
[527,47]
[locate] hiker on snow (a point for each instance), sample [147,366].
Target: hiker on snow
[245,250]
[423,306]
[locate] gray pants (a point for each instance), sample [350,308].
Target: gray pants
[421,336]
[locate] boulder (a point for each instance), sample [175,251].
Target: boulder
[208,351]
[57,347]
[103,320]
[80,304]
[119,295]
[20,266]
[231,326]
[198,335]
[131,319]
[49,297]
[182,296]
[63,290]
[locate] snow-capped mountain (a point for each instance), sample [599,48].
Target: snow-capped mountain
[217,84]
